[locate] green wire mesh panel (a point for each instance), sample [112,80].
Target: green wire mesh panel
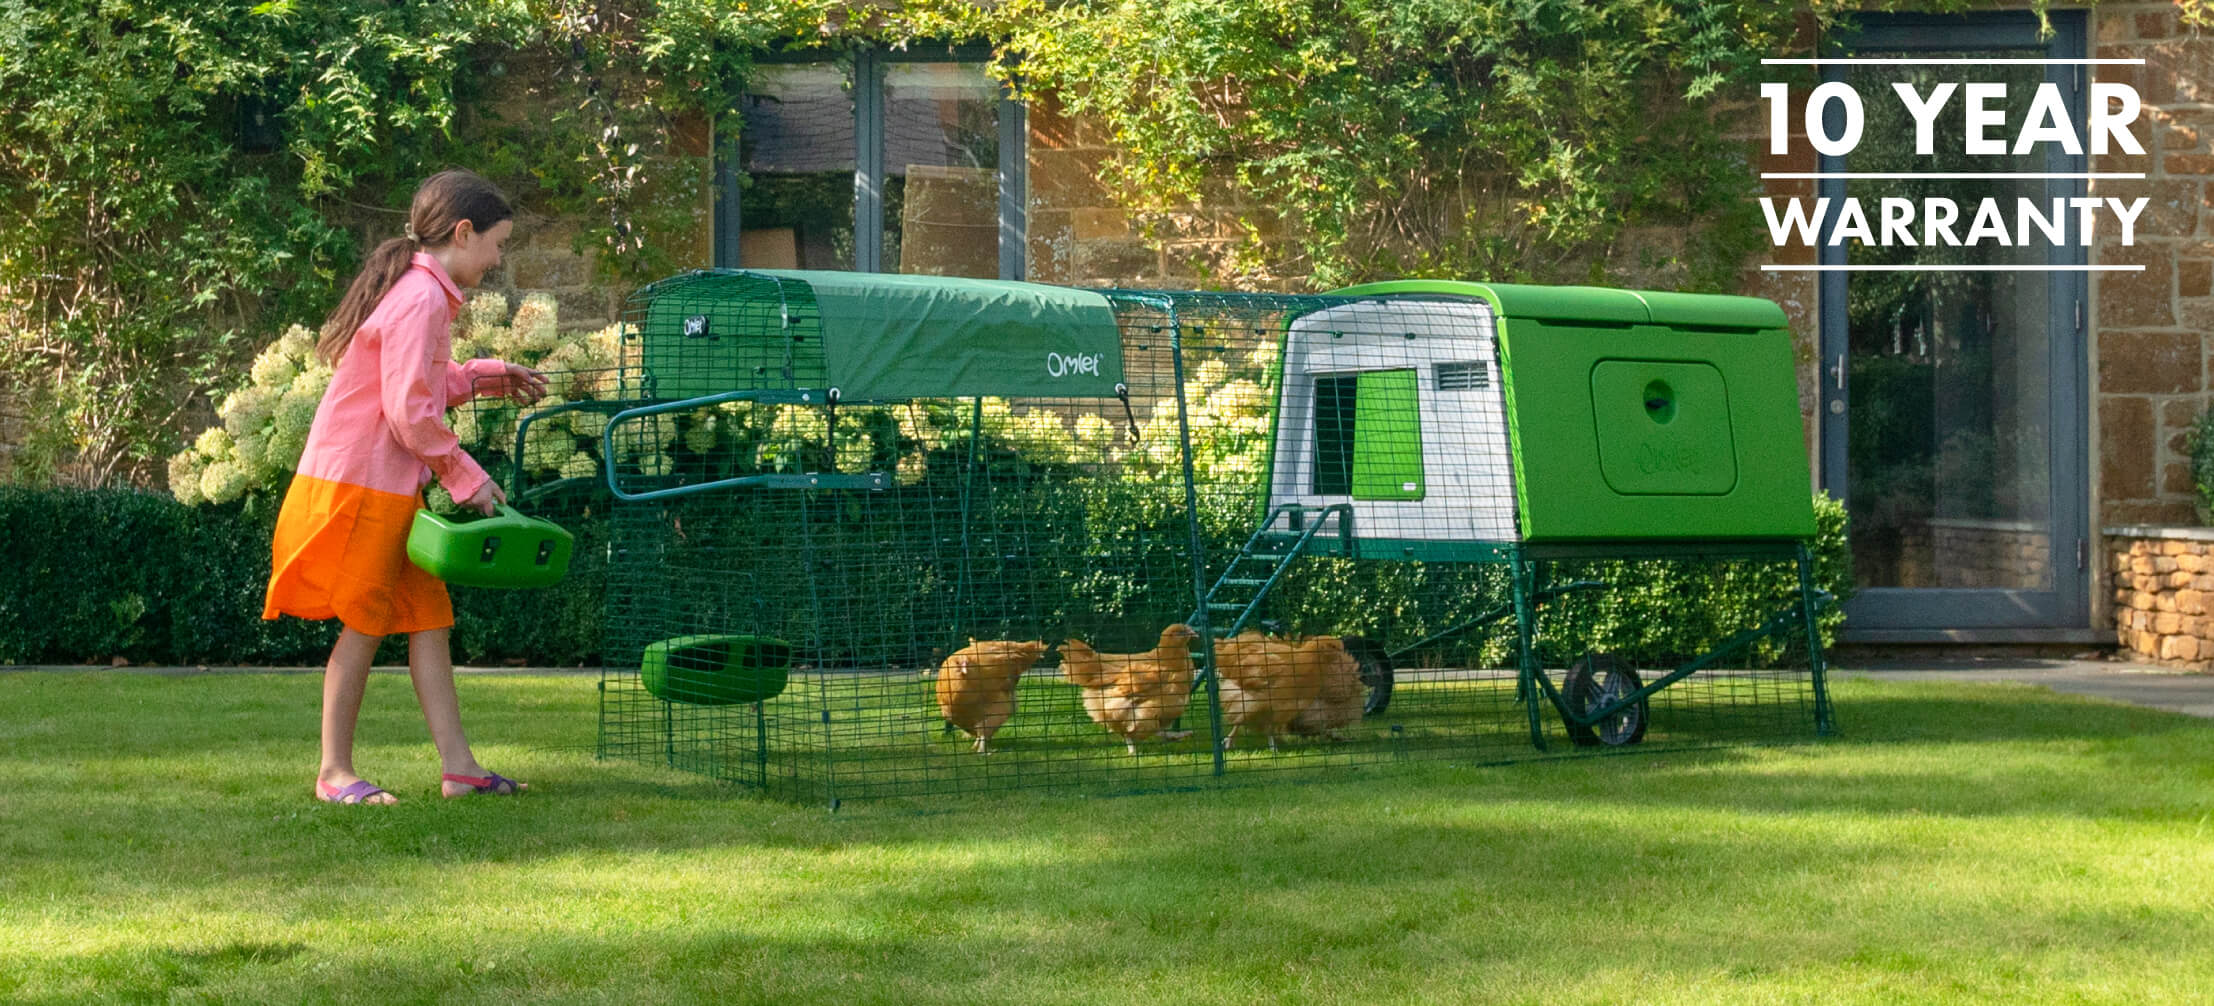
[1294,532]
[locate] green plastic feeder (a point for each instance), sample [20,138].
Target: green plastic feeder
[716,670]
[508,550]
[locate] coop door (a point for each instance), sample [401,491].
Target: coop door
[1368,436]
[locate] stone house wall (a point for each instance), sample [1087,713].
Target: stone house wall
[2150,330]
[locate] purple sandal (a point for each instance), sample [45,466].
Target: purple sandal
[358,791]
[491,784]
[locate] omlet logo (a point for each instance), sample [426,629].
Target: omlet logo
[1062,366]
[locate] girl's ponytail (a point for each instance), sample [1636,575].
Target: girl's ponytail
[385,267]
[441,202]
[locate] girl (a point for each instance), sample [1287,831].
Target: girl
[340,549]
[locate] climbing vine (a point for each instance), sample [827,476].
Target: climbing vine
[183,181]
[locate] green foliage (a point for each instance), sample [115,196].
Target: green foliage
[1513,141]
[167,172]
[78,583]
[2199,444]
[183,180]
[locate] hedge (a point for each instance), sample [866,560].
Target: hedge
[90,576]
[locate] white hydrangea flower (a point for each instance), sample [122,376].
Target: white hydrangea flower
[298,345]
[213,443]
[856,455]
[536,325]
[486,311]
[657,464]
[546,450]
[588,423]
[469,427]
[274,369]
[296,409]
[222,481]
[705,433]
[252,449]
[913,468]
[249,409]
[184,478]
[284,449]
[580,466]
[1095,432]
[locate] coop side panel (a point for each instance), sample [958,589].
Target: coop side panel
[1655,432]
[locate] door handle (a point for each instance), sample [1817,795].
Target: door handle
[1837,371]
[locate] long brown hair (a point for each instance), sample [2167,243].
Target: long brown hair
[441,202]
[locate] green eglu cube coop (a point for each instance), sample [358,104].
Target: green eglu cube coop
[894,536]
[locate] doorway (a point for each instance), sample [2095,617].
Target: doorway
[1953,405]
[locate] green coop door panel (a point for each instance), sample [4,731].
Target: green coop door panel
[1664,428]
[1387,437]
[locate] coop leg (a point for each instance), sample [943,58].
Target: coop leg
[1824,723]
[1525,621]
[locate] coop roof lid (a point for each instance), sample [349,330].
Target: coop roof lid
[1595,304]
[891,337]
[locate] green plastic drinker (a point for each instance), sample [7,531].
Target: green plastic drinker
[716,670]
[507,550]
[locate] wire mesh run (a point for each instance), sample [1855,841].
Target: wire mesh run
[1287,544]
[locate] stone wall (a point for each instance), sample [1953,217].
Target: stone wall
[2150,329]
[1080,235]
[2164,593]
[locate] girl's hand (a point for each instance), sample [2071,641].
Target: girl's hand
[524,385]
[488,496]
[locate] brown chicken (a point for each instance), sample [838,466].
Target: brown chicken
[1276,686]
[1135,695]
[976,685]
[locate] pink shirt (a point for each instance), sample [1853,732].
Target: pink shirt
[382,423]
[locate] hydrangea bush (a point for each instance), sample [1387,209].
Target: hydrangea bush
[265,424]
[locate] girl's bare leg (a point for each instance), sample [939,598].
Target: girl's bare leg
[430,664]
[345,678]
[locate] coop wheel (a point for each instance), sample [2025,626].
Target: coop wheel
[1594,682]
[1376,675]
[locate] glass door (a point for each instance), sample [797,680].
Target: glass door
[1952,399]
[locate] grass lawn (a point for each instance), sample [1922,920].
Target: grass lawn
[1961,843]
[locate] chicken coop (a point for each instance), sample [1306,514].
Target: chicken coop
[897,536]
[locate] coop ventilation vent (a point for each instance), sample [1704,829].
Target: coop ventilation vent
[1471,376]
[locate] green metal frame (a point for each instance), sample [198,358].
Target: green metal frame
[820,568]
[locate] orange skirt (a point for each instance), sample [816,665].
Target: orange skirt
[340,551]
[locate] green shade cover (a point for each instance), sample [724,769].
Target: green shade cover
[879,336]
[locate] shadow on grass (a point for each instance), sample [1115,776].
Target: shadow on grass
[1160,899]
[211,796]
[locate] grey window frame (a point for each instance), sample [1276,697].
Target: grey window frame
[869,63]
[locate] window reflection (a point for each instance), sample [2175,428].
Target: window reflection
[941,166]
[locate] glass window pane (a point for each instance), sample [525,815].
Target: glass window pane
[941,167]
[796,155]
[1949,436]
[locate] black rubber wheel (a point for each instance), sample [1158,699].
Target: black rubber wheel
[1375,672]
[1595,682]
